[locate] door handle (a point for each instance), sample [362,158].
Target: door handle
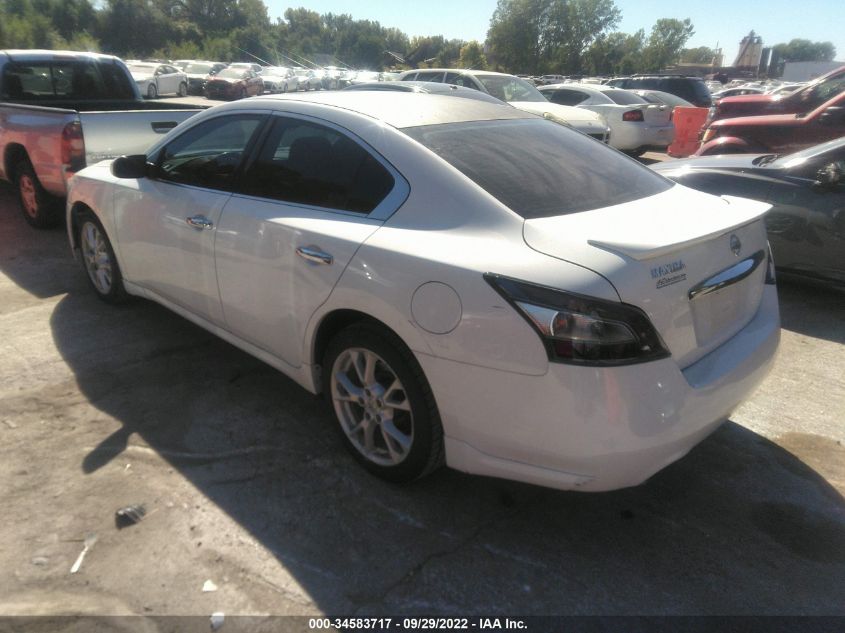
[200,222]
[313,254]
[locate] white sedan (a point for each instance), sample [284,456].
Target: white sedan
[158,79]
[462,280]
[636,126]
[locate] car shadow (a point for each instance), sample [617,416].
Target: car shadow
[39,261]
[723,530]
[812,308]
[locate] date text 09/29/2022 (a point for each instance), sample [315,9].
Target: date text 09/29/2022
[416,624]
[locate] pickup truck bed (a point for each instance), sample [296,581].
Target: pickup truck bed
[46,136]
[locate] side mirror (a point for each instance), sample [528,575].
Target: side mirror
[834,115]
[830,175]
[130,166]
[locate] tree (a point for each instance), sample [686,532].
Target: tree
[615,54]
[798,50]
[666,42]
[472,56]
[537,35]
[700,55]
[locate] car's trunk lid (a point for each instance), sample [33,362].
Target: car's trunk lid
[660,252]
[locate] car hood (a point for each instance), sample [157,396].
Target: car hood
[565,113]
[733,162]
[222,80]
[748,99]
[764,120]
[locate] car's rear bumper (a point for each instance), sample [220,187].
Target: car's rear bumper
[592,428]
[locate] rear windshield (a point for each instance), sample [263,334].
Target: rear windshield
[623,97]
[506,88]
[65,79]
[538,168]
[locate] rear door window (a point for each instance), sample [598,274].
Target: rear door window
[307,163]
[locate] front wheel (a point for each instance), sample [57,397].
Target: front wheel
[152,92]
[383,404]
[40,209]
[98,259]
[183,89]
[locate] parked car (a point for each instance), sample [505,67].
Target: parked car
[805,99]
[778,133]
[63,110]
[256,68]
[459,279]
[198,73]
[233,83]
[517,92]
[806,189]
[307,79]
[181,64]
[636,126]
[155,80]
[279,79]
[426,87]
[693,89]
[666,98]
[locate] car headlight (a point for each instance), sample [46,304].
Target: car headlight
[581,330]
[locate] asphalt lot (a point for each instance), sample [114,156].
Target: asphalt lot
[246,483]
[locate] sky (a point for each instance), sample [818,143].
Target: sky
[722,22]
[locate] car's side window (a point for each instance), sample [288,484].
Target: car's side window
[307,163]
[568,97]
[208,155]
[460,80]
[430,76]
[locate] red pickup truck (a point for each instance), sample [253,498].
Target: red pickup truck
[777,133]
[806,99]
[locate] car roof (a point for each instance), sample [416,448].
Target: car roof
[430,87]
[403,109]
[43,54]
[460,71]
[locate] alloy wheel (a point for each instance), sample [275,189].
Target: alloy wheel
[95,254]
[372,406]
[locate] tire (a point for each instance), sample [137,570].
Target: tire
[242,93]
[183,89]
[284,87]
[98,259]
[40,209]
[152,91]
[366,369]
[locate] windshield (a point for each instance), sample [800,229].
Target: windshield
[538,168]
[198,69]
[509,88]
[623,97]
[814,95]
[144,69]
[231,73]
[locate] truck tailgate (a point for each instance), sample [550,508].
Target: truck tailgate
[112,134]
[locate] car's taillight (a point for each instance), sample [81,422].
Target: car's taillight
[73,147]
[582,330]
[632,115]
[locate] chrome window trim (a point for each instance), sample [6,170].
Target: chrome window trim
[386,208]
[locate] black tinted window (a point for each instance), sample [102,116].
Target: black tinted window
[310,164]
[565,97]
[623,97]
[539,168]
[209,154]
[78,80]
